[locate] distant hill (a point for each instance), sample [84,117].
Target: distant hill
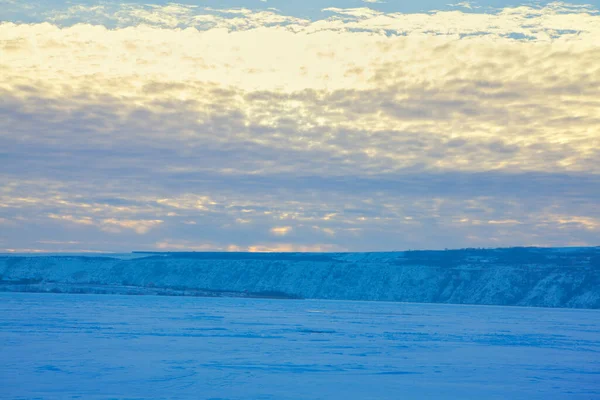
[523,276]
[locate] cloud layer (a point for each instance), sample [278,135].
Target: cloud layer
[192,128]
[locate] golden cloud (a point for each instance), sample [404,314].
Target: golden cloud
[213,95]
[453,101]
[281,230]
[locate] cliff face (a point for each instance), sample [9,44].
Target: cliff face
[518,276]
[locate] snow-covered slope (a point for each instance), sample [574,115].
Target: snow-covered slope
[517,276]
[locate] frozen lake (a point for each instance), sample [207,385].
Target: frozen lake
[56,346]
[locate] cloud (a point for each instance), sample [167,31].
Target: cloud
[58,242]
[170,245]
[188,202]
[553,20]
[42,251]
[110,224]
[183,245]
[361,13]
[412,216]
[592,224]
[173,16]
[327,231]
[371,130]
[139,226]
[281,230]
[504,222]
[287,247]
[73,219]
[465,4]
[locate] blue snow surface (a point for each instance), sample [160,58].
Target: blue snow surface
[67,346]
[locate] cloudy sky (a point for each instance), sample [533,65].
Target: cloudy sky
[340,125]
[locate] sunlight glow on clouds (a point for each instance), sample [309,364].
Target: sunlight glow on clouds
[109,224]
[281,230]
[185,127]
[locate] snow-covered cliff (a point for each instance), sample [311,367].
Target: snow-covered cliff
[568,277]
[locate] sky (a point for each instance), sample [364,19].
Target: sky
[340,125]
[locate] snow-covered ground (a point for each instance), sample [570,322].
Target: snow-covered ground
[61,346]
